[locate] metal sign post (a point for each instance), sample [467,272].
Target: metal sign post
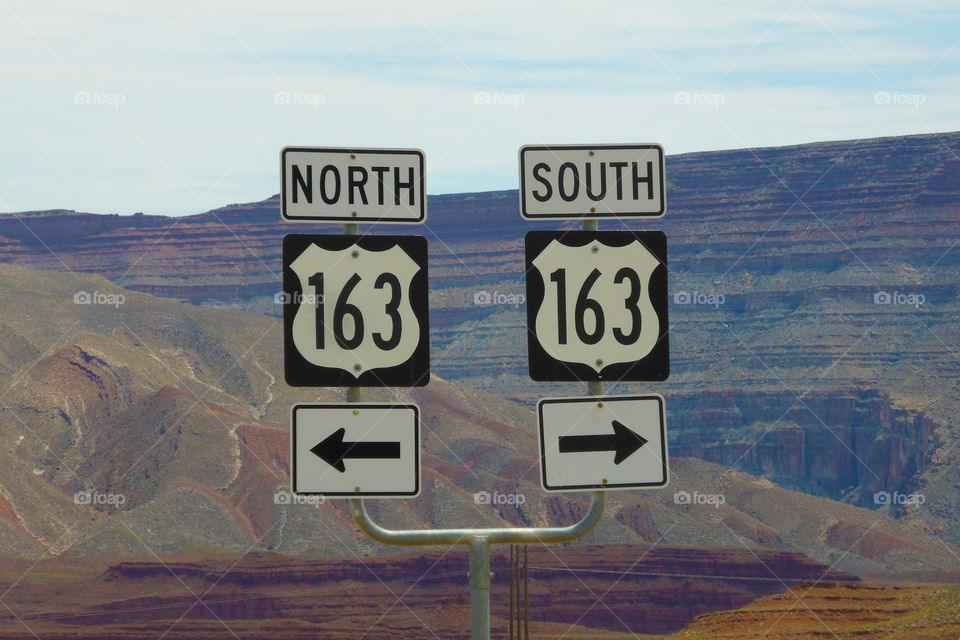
[478,542]
[388,329]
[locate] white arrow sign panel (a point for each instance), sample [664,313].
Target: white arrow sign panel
[352,450]
[602,442]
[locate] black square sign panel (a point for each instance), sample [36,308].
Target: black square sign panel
[597,305]
[355,311]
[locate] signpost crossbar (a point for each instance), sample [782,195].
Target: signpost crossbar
[478,542]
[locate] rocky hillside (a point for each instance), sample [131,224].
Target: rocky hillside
[154,426]
[819,347]
[282,597]
[844,612]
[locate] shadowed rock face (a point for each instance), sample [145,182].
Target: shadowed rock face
[159,426]
[874,445]
[662,591]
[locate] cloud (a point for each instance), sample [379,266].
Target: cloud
[199,124]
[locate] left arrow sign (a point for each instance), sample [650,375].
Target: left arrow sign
[333,450]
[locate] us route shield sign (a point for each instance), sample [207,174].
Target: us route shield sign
[597,305]
[352,450]
[355,311]
[602,442]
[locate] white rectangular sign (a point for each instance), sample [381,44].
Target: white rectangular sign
[602,442]
[592,181]
[352,185]
[354,450]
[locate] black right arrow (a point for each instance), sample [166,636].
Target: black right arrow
[333,450]
[622,440]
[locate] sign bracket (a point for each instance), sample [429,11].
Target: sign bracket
[479,541]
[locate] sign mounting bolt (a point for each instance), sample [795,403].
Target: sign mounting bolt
[595,249]
[357,367]
[599,362]
[355,254]
[356,412]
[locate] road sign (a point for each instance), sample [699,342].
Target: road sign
[352,450]
[592,181]
[597,305]
[352,185]
[355,311]
[602,442]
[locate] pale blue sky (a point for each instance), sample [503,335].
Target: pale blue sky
[177,108]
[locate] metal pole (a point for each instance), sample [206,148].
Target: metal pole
[510,634]
[516,578]
[526,598]
[479,588]
[446,537]
[479,541]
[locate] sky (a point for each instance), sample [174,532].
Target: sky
[176,108]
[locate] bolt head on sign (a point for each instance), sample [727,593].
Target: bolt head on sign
[597,305]
[324,184]
[355,311]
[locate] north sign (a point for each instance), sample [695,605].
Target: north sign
[355,311]
[602,442]
[597,305]
[329,184]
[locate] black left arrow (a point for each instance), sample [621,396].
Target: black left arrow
[623,440]
[333,450]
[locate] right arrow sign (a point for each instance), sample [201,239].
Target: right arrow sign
[602,442]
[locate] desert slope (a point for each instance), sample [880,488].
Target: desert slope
[180,410]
